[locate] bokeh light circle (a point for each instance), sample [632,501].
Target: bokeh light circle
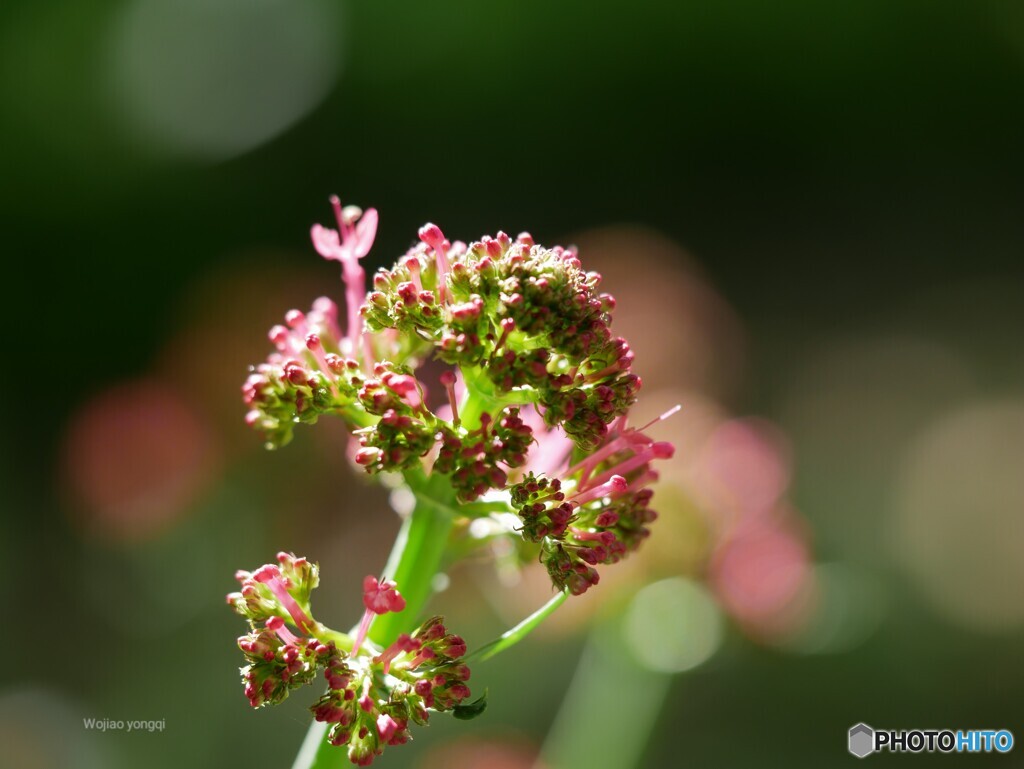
[958,530]
[41,728]
[210,79]
[851,606]
[673,625]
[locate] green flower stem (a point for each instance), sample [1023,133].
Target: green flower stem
[417,554]
[514,635]
[342,641]
[480,397]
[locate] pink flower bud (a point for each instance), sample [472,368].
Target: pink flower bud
[459,691]
[386,727]
[663,450]
[279,336]
[367,456]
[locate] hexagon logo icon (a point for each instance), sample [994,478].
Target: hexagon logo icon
[862,740]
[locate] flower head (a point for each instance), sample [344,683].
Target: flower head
[373,694]
[370,702]
[597,512]
[280,590]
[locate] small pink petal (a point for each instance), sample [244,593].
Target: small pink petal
[326,242]
[366,232]
[381,597]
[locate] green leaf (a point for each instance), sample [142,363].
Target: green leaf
[472,710]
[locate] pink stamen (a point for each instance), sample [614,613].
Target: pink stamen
[448,380]
[626,439]
[277,625]
[587,465]
[431,235]
[658,450]
[671,412]
[626,466]
[404,643]
[613,487]
[271,577]
[423,656]
[364,628]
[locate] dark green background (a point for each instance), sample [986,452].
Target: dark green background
[825,163]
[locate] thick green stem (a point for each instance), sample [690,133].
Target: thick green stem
[416,557]
[480,398]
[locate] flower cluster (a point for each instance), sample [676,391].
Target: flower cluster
[372,694]
[371,701]
[524,327]
[597,512]
[307,376]
[521,323]
[474,458]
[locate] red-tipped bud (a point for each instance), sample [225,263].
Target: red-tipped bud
[386,727]
[431,235]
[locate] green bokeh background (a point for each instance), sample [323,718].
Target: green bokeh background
[846,175]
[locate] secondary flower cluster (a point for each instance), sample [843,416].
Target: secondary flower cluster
[372,695]
[597,512]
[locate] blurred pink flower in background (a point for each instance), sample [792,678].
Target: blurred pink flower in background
[136,457]
[475,752]
[762,574]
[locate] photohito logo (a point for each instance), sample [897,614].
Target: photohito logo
[862,740]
